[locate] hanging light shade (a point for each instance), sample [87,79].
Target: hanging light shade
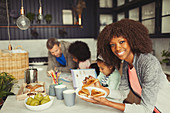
[23,22]
[40,16]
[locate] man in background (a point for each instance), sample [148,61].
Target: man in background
[58,56]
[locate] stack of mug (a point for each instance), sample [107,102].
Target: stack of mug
[62,93]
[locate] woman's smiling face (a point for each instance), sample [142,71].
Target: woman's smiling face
[121,48]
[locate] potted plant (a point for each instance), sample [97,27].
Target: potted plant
[6,83]
[166,57]
[30,16]
[48,18]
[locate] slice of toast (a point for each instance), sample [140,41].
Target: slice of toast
[84,92]
[96,93]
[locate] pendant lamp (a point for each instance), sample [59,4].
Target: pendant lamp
[23,22]
[40,16]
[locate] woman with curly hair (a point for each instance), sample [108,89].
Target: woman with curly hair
[129,41]
[81,54]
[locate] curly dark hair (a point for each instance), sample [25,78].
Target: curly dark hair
[136,34]
[80,50]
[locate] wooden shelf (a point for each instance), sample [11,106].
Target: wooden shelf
[52,26]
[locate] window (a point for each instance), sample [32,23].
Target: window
[165,16]
[120,2]
[105,3]
[105,13]
[105,19]
[154,14]
[134,14]
[120,16]
[148,17]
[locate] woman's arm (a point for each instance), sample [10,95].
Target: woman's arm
[104,101]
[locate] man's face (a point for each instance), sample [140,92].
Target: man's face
[56,50]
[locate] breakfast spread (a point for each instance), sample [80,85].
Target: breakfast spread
[93,92]
[38,99]
[34,87]
[30,89]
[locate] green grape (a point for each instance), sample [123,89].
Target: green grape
[44,101]
[38,96]
[34,102]
[29,100]
[47,97]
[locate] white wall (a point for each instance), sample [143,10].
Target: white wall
[160,44]
[37,48]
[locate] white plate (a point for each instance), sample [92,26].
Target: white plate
[39,107]
[90,88]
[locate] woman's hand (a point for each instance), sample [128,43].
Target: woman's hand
[97,100]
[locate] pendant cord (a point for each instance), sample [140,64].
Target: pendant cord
[8,21]
[40,2]
[22,5]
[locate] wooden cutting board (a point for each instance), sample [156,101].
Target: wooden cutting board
[24,91]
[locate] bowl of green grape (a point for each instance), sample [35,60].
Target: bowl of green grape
[38,102]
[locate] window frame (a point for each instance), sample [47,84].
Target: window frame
[129,5]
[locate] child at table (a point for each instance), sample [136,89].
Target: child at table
[109,76]
[81,54]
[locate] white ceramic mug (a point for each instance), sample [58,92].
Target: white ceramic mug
[59,91]
[69,97]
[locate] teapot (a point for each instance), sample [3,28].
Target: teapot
[31,75]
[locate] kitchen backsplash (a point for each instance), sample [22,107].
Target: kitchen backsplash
[37,48]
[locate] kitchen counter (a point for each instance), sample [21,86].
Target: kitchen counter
[12,105]
[166,69]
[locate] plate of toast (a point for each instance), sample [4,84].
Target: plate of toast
[87,92]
